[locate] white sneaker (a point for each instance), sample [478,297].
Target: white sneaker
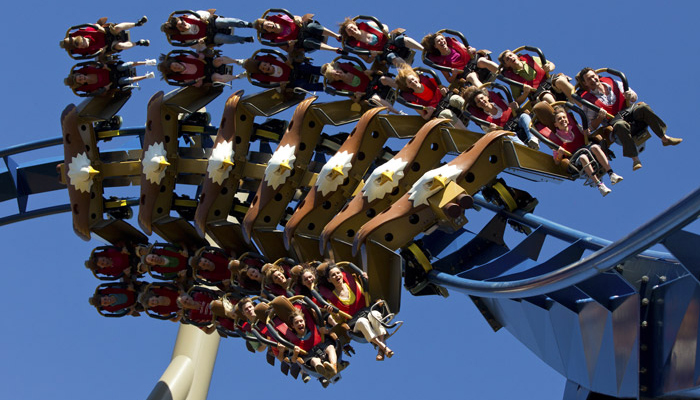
[533,143]
[603,189]
[615,178]
[150,75]
[151,61]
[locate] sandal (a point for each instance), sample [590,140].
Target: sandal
[380,356]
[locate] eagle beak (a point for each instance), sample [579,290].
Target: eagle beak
[226,163]
[439,182]
[163,163]
[386,176]
[92,171]
[336,172]
[284,166]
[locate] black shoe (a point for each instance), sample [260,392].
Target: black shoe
[249,39]
[248,25]
[141,21]
[143,42]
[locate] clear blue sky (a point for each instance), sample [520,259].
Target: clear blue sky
[56,345]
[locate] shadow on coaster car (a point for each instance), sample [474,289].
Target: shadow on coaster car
[294,74]
[107,77]
[639,132]
[248,283]
[217,266]
[167,290]
[197,312]
[205,69]
[387,42]
[101,40]
[207,29]
[368,87]
[271,289]
[466,64]
[114,300]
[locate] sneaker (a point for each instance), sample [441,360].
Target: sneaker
[143,42]
[248,25]
[141,21]
[671,141]
[151,61]
[249,39]
[150,75]
[533,143]
[615,178]
[603,189]
[637,165]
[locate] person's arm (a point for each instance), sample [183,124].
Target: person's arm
[631,96]
[426,112]
[524,92]
[595,123]
[280,352]
[549,66]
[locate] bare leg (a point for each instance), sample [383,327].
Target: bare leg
[588,168]
[223,60]
[488,64]
[332,357]
[547,97]
[473,78]
[385,103]
[328,32]
[122,26]
[600,157]
[222,78]
[412,44]
[564,86]
[387,81]
[328,47]
[123,45]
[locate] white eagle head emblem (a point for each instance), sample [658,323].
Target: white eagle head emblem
[432,182]
[155,163]
[280,166]
[334,172]
[220,162]
[80,173]
[384,179]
